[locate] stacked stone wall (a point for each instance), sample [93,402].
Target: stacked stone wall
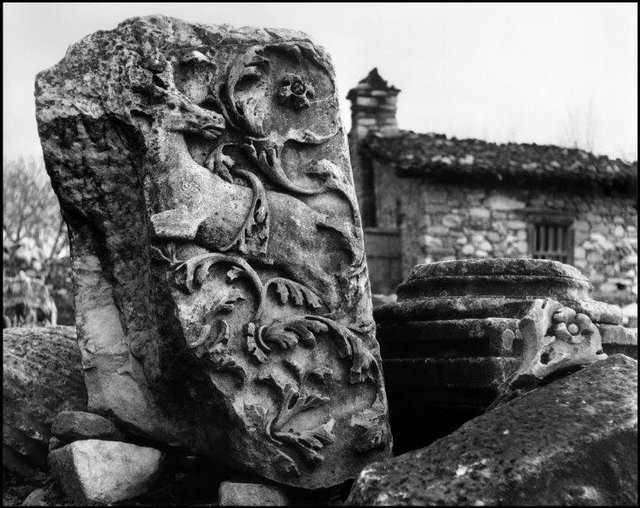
[469,222]
[453,221]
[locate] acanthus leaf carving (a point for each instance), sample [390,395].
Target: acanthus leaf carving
[288,332]
[248,239]
[290,290]
[307,441]
[220,357]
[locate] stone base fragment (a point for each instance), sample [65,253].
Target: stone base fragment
[251,494]
[37,498]
[100,472]
[468,333]
[41,376]
[571,442]
[78,425]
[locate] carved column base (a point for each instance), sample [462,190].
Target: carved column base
[461,330]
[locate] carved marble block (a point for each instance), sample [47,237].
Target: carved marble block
[222,292]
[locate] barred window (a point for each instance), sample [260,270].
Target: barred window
[551,241]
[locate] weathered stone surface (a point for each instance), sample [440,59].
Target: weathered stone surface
[41,376]
[571,442]
[535,278]
[77,425]
[251,494]
[93,471]
[556,338]
[222,298]
[619,339]
[36,498]
[479,307]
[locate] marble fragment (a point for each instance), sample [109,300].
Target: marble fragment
[222,294]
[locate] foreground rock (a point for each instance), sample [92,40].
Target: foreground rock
[571,442]
[100,472]
[222,295]
[37,498]
[41,376]
[251,494]
[77,425]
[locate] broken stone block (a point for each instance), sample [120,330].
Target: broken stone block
[461,316]
[41,376]
[36,498]
[571,442]
[251,494]
[222,296]
[77,425]
[100,472]
[556,339]
[619,339]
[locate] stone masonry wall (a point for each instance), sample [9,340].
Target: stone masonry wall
[451,221]
[464,222]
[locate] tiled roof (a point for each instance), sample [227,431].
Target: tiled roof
[439,157]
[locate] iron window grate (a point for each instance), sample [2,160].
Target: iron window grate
[551,241]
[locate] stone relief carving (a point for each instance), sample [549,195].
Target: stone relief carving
[556,339]
[256,243]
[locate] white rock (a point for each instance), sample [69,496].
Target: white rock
[477,239]
[451,221]
[522,247]
[468,249]
[467,160]
[485,245]
[504,203]
[37,498]
[96,471]
[479,213]
[432,242]
[603,242]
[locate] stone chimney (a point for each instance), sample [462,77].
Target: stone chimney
[373,108]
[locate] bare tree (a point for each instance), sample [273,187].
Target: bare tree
[579,129]
[30,208]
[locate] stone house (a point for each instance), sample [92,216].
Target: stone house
[427,197]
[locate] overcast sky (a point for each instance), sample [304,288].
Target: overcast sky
[525,73]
